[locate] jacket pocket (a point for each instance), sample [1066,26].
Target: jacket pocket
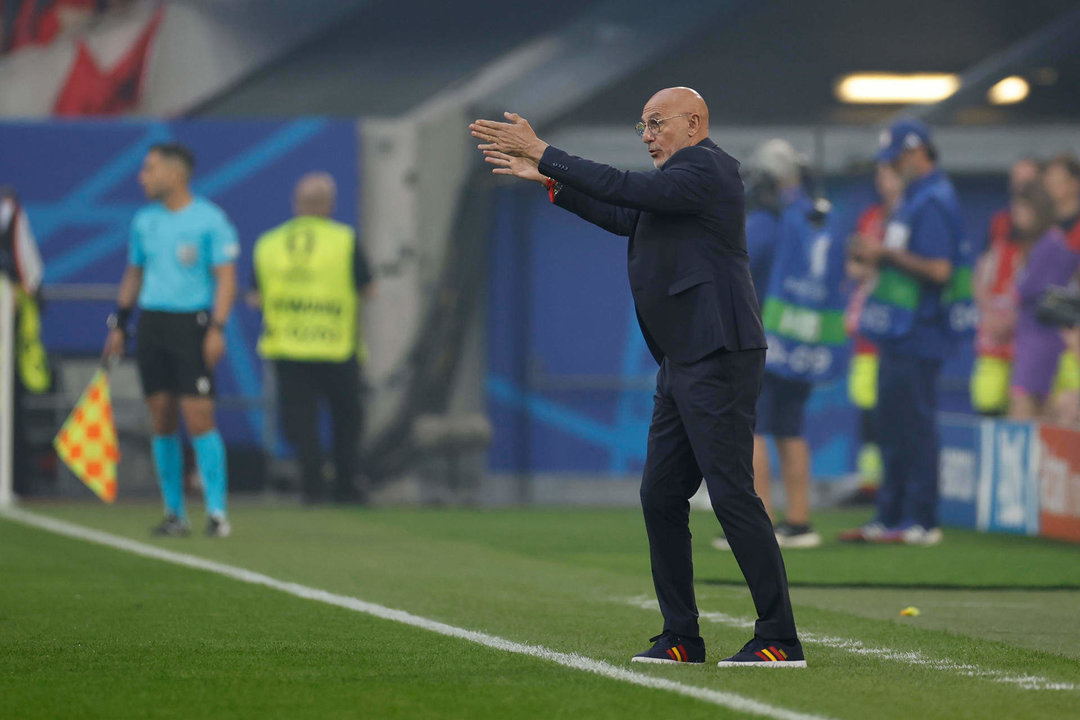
[685,283]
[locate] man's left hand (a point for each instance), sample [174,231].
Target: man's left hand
[515,137]
[213,347]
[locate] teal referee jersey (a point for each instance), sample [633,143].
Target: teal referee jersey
[178,252]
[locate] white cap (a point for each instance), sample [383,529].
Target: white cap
[778,159]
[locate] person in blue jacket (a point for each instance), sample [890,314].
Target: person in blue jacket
[798,271]
[908,316]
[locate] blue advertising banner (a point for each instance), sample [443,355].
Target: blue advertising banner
[959,471]
[570,381]
[1008,496]
[78,182]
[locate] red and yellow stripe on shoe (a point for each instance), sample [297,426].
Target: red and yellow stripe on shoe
[772,654]
[678,653]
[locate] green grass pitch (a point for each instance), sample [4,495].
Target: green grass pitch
[93,632]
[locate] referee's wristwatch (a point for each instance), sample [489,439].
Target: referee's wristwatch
[118,320]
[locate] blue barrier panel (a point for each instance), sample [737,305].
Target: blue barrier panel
[569,378]
[1008,496]
[959,475]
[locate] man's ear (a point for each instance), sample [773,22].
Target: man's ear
[693,123]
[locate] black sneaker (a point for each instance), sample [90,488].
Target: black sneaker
[671,648]
[171,526]
[796,536]
[218,526]
[765,653]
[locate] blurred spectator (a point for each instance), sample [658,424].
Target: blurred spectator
[1052,261]
[764,203]
[1062,182]
[310,275]
[995,294]
[805,346]
[774,191]
[863,375]
[21,262]
[907,316]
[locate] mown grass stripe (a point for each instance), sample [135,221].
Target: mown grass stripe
[574,661]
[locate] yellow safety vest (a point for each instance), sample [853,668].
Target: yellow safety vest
[33,365]
[310,303]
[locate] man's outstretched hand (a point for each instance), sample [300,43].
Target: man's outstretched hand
[515,138]
[517,166]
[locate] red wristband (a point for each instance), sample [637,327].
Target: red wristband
[550,185]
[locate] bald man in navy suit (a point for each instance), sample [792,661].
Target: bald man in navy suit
[696,305]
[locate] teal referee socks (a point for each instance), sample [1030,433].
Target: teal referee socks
[169,462]
[210,457]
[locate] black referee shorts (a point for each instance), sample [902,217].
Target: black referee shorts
[169,353]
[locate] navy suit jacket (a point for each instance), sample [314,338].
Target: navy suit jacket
[687,260]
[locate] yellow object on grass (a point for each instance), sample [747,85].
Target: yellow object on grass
[910,611]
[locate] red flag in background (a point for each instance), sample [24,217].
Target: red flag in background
[90,90]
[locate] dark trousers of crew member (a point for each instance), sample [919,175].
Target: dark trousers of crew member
[703,426]
[301,386]
[908,438]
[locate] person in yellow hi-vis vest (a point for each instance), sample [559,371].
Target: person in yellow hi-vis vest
[21,262]
[311,276]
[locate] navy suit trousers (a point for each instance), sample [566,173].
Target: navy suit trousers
[703,426]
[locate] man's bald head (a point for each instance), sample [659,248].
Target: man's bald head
[683,119]
[680,100]
[315,195]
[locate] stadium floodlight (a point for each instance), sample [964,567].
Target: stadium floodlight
[1009,91]
[879,88]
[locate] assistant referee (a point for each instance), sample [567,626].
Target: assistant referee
[181,269]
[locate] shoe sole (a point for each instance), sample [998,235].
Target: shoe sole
[791,664]
[665,661]
[809,540]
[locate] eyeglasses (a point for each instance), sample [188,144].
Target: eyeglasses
[653,124]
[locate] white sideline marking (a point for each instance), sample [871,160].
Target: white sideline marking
[1027,682]
[570,660]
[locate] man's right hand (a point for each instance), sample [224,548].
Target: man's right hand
[511,165]
[114,344]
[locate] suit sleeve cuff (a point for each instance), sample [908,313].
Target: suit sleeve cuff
[553,164]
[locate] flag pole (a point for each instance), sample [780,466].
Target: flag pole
[7,390]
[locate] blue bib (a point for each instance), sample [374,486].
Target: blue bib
[804,307]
